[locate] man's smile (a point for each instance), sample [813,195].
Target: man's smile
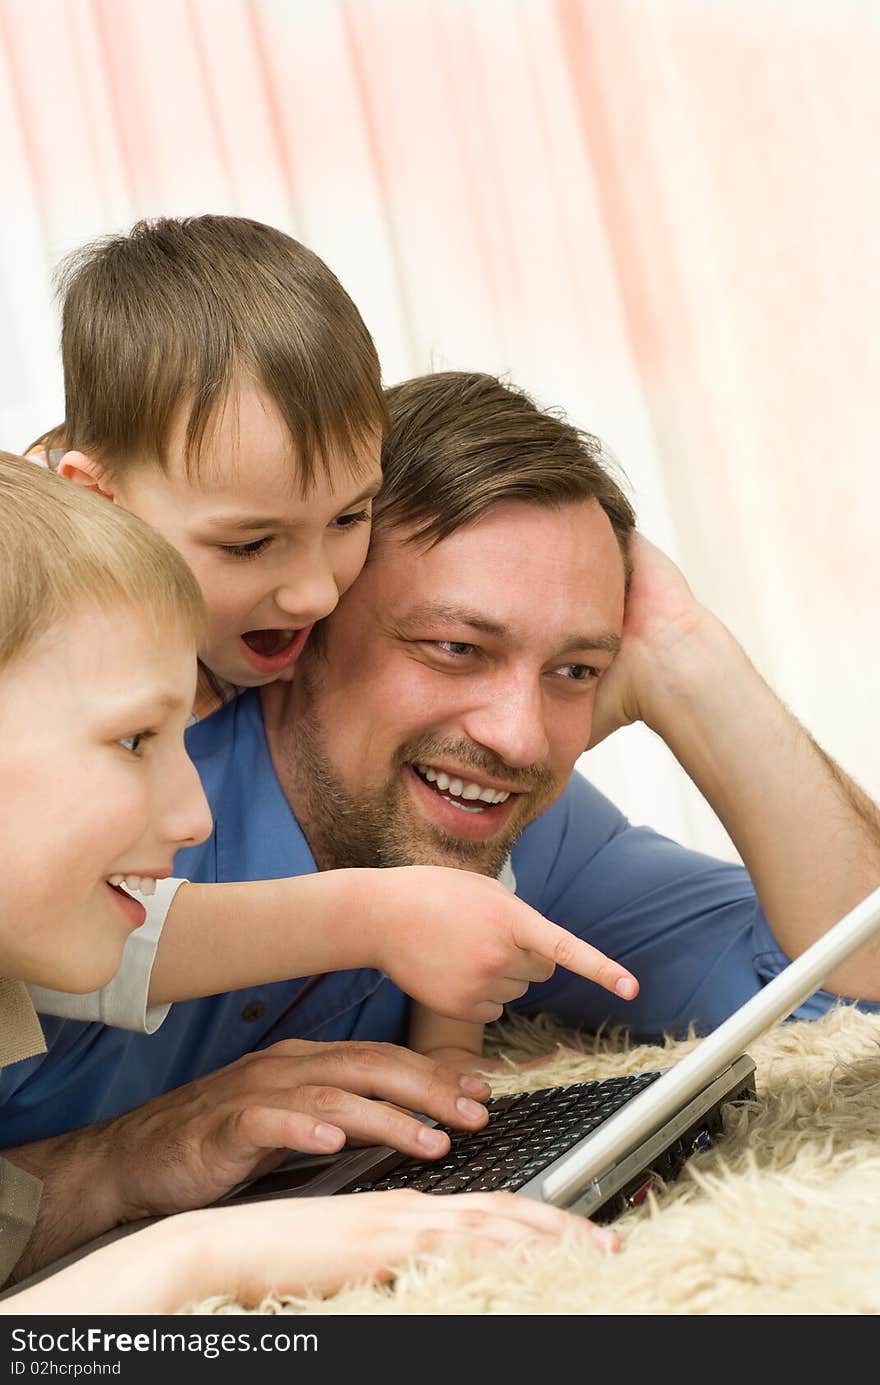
[462,786]
[462,804]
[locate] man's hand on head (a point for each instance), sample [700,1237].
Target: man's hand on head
[661,617]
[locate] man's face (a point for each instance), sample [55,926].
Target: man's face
[455,689]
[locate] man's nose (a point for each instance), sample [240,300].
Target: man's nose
[186,819]
[510,722]
[308,589]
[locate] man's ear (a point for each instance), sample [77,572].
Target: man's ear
[87,471]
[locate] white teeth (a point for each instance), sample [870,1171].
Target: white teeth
[141,884]
[462,788]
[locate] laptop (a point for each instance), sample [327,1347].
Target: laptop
[594,1148]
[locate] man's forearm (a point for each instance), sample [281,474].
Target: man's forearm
[809,837]
[224,937]
[80,1194]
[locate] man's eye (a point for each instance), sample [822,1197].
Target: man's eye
[244,550]
[578,673]
[456,647]
[134,742]
[356,517]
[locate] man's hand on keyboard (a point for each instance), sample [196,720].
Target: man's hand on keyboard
[191,1146]
[296,1095]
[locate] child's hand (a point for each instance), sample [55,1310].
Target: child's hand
[464,946]
[326,1242]
[295,1246]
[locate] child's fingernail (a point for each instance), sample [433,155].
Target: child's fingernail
[606,1240]
[626,988]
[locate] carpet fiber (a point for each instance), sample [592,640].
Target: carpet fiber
[781,1217]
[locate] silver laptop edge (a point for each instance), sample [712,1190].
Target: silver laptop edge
[641,1116]
[735,1082]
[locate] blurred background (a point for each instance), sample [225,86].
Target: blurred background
[657,215]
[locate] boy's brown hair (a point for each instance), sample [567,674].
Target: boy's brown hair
[181,311]
[459,442]
[64,549]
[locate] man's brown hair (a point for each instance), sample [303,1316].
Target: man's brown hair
[459,442]
[181,311]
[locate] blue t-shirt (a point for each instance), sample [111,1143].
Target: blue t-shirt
[687,925]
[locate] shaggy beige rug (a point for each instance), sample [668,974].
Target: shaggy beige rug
[781,1217]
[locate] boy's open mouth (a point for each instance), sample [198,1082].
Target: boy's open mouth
[132,908]
[269,651]
[268,643]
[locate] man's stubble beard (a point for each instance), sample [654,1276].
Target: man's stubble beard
[375,829]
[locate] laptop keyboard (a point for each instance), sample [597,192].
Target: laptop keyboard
[526,1132]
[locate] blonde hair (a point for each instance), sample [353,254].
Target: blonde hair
[62,547]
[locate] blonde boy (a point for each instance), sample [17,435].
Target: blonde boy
[98,627]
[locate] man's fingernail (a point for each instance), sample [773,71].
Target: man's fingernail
[329,1136]
[626,988]
[431,1140]
[475,1085]
[469,1109]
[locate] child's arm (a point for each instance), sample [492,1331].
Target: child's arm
[447,1041]
[297,1246]
[451,1043]
[455,941]
[451,939]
